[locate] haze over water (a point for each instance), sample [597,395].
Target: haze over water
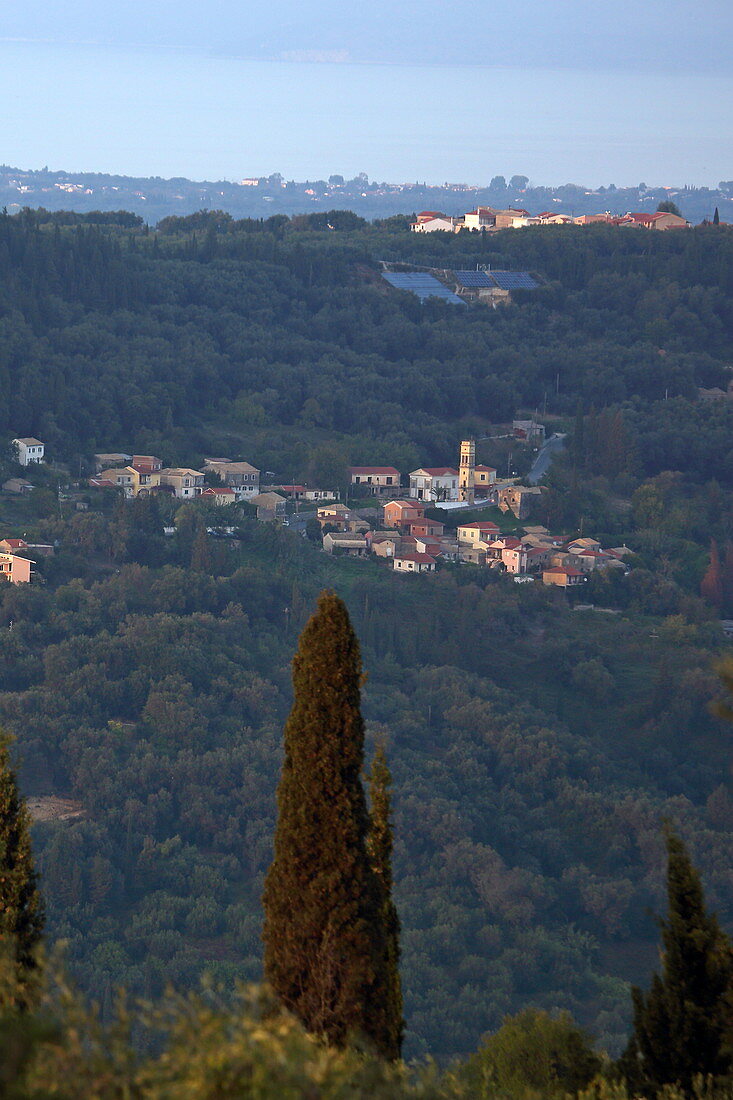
[175,113]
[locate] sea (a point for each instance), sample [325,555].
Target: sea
[170,113]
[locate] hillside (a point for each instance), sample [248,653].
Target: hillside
[535,748]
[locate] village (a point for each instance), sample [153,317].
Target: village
[413,528]
[487,219]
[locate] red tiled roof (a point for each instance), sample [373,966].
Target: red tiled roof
[417,504]
[440,471]
[15,544]
[424,558]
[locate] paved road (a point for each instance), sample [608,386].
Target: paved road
[541,464]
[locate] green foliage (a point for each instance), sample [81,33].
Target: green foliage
[21,908]
[323,930]
[207,1046]
[669,207]
[386,1006]
[681,1026]
[533,1055]
[527,846]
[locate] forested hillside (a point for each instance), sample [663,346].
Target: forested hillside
[113,335]
[535,748]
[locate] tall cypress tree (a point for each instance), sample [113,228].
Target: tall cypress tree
[21,906]
[322,932]
[386,1011]
[680,1024]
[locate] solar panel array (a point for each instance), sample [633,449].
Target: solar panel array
[474,278]
[514,280]
[421,284]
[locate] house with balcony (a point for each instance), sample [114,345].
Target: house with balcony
[473,533]
[185,484]
[15,569]
[375,481]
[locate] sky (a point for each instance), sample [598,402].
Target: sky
[560,90]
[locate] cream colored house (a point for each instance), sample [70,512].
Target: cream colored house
[122,477]
[185,483]
[471,534]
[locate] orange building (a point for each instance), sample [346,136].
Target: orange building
[15,569]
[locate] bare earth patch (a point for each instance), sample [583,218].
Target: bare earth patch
[51,808]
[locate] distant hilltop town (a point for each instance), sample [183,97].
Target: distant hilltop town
[487,219]
[154,198]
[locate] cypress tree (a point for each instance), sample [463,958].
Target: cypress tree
[322,930]
[711,586]
[680,1024]
[21,906]
[386,1010]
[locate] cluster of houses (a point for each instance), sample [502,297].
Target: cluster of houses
[487,219]
[414,543]
[441,485]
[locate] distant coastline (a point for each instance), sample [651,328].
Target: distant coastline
[154,198]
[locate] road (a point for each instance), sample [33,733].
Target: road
[541,464]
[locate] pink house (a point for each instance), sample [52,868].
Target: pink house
[15,569]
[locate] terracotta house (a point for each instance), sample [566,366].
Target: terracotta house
[429,527]
[401,513]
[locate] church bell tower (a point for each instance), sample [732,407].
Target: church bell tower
[467,471]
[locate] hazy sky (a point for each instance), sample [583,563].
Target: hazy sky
[646,35]
[168,87]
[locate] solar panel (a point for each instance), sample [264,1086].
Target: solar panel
[421,284]
[514,280]
[474,278]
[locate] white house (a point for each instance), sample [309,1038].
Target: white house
[30,450]
[413,563]
[432,221]
[434,483]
